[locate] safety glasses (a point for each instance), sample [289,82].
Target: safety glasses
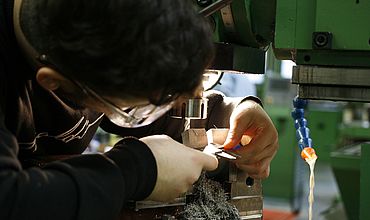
[129,117]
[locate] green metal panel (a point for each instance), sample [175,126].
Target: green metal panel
[354,132]
[365,183]
[241,15]
[285,28]
[333,58]
[280,183]
[343,161]
[346,169]
[295,22]
[305,23]
[348,20]
[324,132]
[351,170]
[249,59]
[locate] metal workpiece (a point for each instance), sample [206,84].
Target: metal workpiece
[217,135]
[334,93]
[247,199]
[328,83]
[249,207]
[138,205]
[195,138]
[303,74]
[195,108]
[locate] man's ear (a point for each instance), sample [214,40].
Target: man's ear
[49,79]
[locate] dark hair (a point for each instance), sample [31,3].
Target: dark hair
[122,47]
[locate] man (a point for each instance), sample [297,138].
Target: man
[66,64]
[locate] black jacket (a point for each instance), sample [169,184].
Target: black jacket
[35,124]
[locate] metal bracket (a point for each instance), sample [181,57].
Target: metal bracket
[328,83]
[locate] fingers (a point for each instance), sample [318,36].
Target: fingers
[250,120]
[210,162]
[178,166]
[233,137]
[259,170]
[241,131]
[256,151]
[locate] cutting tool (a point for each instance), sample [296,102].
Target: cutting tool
[216,149]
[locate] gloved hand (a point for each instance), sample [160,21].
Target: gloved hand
[178,166]
[251,120]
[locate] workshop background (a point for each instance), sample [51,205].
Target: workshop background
[320,51]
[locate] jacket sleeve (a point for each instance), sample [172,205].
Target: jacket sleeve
[84,187]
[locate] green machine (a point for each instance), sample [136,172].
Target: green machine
[329,40]
[287,168]
[351,169]
[325,119]
[330,43]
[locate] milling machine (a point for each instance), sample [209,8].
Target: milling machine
[245,196]
[329,40]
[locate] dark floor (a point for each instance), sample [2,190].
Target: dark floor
[327,205]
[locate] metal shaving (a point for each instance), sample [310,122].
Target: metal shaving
[210,203]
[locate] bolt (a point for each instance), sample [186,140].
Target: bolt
[321,40]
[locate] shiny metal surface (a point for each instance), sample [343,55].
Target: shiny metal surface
[328,83]
[191,109]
